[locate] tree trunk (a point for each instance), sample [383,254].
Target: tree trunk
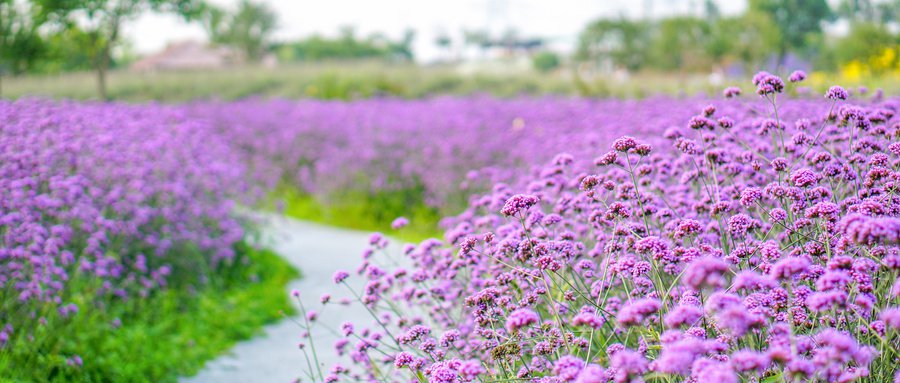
[104,56]
[102,68]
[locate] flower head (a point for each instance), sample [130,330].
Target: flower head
[836,93]
[519,203]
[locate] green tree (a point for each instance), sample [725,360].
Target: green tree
[347,47]
[21,46]
[70,50]
[102,21]
[623,42]
[681,44]
[545,61]
[250,28]
[746,38]
[402,49]
[798,21]
[865,41]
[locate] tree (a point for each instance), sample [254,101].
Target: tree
[102,20]
[402,49]
[623,42]
[747,38]
[545,61]
[249,28]
[680,44]
[21,46]
[865,41]
[796,21]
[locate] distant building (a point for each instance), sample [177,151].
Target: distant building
[189,55]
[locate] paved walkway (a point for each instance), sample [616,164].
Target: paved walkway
[317,251]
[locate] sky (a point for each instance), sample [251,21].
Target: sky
[560,21]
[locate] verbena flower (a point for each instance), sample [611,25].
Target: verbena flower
[519,203]
[836,93]
[797,76]
[521,318]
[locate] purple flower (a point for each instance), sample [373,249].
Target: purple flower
[683,315]
[567,368]
[731,92]
[767,83]
[750,195]
[469,370]
[592,373]
[588,319]
[701,123]
[521,318]
[624,144]
[836,93]
[797,76]
[519,203]
[740,224]
[626,364]
[750,361]
[804,177]
[866,230]
[635,312]
[751,280]
[705,272]
[677,357]
[788,268]
[715,372]
[737,319]
[340,276]
[449,371]
[399,223]
[891,317]
[403,359]
[415,333]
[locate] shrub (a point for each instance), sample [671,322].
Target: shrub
[545,61]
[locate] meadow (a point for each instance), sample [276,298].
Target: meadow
[353,80]
[724,237]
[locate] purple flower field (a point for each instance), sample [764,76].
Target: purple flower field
[110,191]
[753,241]
[751,238]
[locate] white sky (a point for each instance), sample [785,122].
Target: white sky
[558,20]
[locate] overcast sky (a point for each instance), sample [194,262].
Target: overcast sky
[558,20]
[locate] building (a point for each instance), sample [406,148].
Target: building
[189,55]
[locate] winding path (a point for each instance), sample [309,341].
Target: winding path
[317,251]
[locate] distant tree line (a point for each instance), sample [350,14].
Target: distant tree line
[347,46]
[768,31]
[59,35]
[53,36]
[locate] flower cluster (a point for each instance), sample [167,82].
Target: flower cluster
[766,248]
[111,194]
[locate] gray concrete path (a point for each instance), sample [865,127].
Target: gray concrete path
[317,251]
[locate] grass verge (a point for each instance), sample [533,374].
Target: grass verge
[155,339]
[369,212]
[355,80]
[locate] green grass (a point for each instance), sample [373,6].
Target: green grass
[336,80]
[161,337]
[353,80]
[369,212]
